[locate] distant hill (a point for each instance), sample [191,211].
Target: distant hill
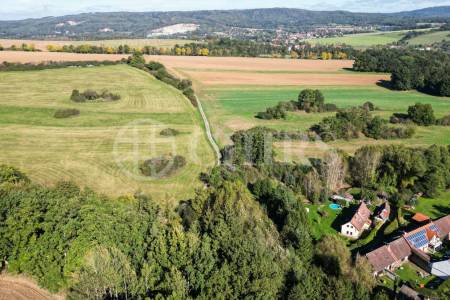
[136,24]
[438,11]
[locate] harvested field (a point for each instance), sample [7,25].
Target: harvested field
[251,64]
[20,288]
[264,79]
[134,43]
[37,57]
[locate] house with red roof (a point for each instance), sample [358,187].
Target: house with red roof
[359,222]
[383,212]
[412,246]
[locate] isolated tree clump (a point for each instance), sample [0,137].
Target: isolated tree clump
[169,132]
[422,114]
[92,95]
[163,166]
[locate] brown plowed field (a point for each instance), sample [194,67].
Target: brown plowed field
[208,71]
[19,288]
[317,79]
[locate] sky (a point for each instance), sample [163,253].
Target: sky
[20,9]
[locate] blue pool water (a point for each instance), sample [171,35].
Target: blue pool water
[335,206]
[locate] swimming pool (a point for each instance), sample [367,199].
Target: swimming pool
[335,206]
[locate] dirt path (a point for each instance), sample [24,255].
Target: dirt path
[21,288]
[209,134]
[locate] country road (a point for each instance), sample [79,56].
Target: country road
[208,131]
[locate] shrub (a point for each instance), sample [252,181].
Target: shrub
[277,112]
[92,95]
[445,121]
[368,106]
[66,113]
[77,97]
[311,100]
[162,166]
[330,107]
[398,118]
[422,114]
[11,175]
[169,132]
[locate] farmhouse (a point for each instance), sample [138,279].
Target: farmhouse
[359,222]
[412,246]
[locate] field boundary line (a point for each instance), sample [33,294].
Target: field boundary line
[209,135]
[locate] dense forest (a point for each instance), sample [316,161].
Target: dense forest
[139,24]
[427,71]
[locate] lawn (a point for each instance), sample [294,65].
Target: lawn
[409,273]
[434,208]
[362,40]
[235,108]
[322,223]
[102,147]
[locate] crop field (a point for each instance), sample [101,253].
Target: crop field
[430,38]
[134,43]
[362,40]
[102,147]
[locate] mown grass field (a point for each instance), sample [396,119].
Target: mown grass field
[362,40]
[134,43]
[102,147]
[430,38]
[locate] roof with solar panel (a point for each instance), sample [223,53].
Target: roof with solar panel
[421,237]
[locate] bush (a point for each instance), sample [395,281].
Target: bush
[169,132]
[278,112]
[422,114]
[11,175]
[66,113]
[330,107]
[368,106]
[445,121]
[162,166]
[92,95]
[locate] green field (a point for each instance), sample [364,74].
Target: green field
[102,147]
[235,108]
[362,40]
[430,38]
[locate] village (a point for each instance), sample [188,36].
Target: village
[411,257]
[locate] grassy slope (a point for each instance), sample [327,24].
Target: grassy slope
[98,148]
[430,38]
[362,40]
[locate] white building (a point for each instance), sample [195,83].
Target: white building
[359,222]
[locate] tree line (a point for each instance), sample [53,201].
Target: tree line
[21,47]
[426,71]
[220,47]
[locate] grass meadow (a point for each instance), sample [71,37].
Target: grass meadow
[362,40]
[101,148]
[430,38]
[235,108]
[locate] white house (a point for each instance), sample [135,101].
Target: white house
[359,222]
